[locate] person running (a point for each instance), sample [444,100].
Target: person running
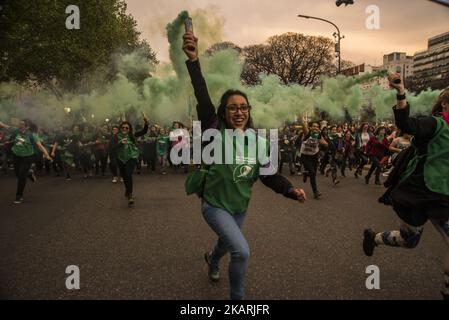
[86,143]
[100,151]
[421,192]
[310,149]
[162,149]
[336,151]
[376,149]
[348,155]
[113,160]
[149,149]
[362,137]
[125,145]
[25,144]
[227,190]
[287,150]
[63,151]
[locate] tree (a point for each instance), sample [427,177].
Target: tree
[223,46]
[35,43]
[294,57]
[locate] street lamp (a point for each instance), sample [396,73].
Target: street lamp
[337,36]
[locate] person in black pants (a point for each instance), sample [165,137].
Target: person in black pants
[310,149]
[125,144]
[419,188]
[113,166]
[25,143]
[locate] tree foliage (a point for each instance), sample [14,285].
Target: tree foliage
[294,57]
[35,43]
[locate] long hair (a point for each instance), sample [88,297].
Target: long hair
[438,107]
[221,112]
[30,125]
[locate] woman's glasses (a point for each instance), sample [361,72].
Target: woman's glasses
[125,128]
[233,108]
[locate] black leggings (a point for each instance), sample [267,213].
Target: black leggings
[375,167]
[113,163]
[101,160]
[362,159]
[310,164]
[22,166]
[86,162]
[126,171]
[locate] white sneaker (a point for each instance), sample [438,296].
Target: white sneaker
[114,180]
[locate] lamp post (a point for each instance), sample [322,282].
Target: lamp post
[337,36]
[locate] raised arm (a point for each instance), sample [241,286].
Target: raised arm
[422,128]
[205,108]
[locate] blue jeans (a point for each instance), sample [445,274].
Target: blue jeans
[230,238]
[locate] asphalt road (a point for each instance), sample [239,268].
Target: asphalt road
[155,250]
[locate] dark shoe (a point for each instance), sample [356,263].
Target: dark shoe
[304,177]
[317,195]
[328,171]
[356,175]
[369,242]
[367,180]
[213,272]
[378,183]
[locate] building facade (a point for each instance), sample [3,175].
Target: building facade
[431,67]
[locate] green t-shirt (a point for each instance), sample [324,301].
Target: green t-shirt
[127,151]
[162,145]
[23,145]
[229,186]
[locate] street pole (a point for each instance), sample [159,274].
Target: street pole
[337,36]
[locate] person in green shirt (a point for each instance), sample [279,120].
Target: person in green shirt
[86,144]
[162,149]
[419,183]
[25,143]
[127,151]
[227,189]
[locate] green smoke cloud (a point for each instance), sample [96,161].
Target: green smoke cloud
[164,95]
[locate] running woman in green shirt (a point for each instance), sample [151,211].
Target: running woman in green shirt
[228,187]
[125,147]
[25,142]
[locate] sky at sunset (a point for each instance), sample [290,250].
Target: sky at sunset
[405,25]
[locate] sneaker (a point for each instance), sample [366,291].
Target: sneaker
[130,201]
[32,176]
[164,173]
[68,178]
[304,177]
[336,182]
[213,272]
[328,171]
[378,183]
[114,180]
[317,195]
[369,242]
[121,179]
[367,180]
[18,200]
